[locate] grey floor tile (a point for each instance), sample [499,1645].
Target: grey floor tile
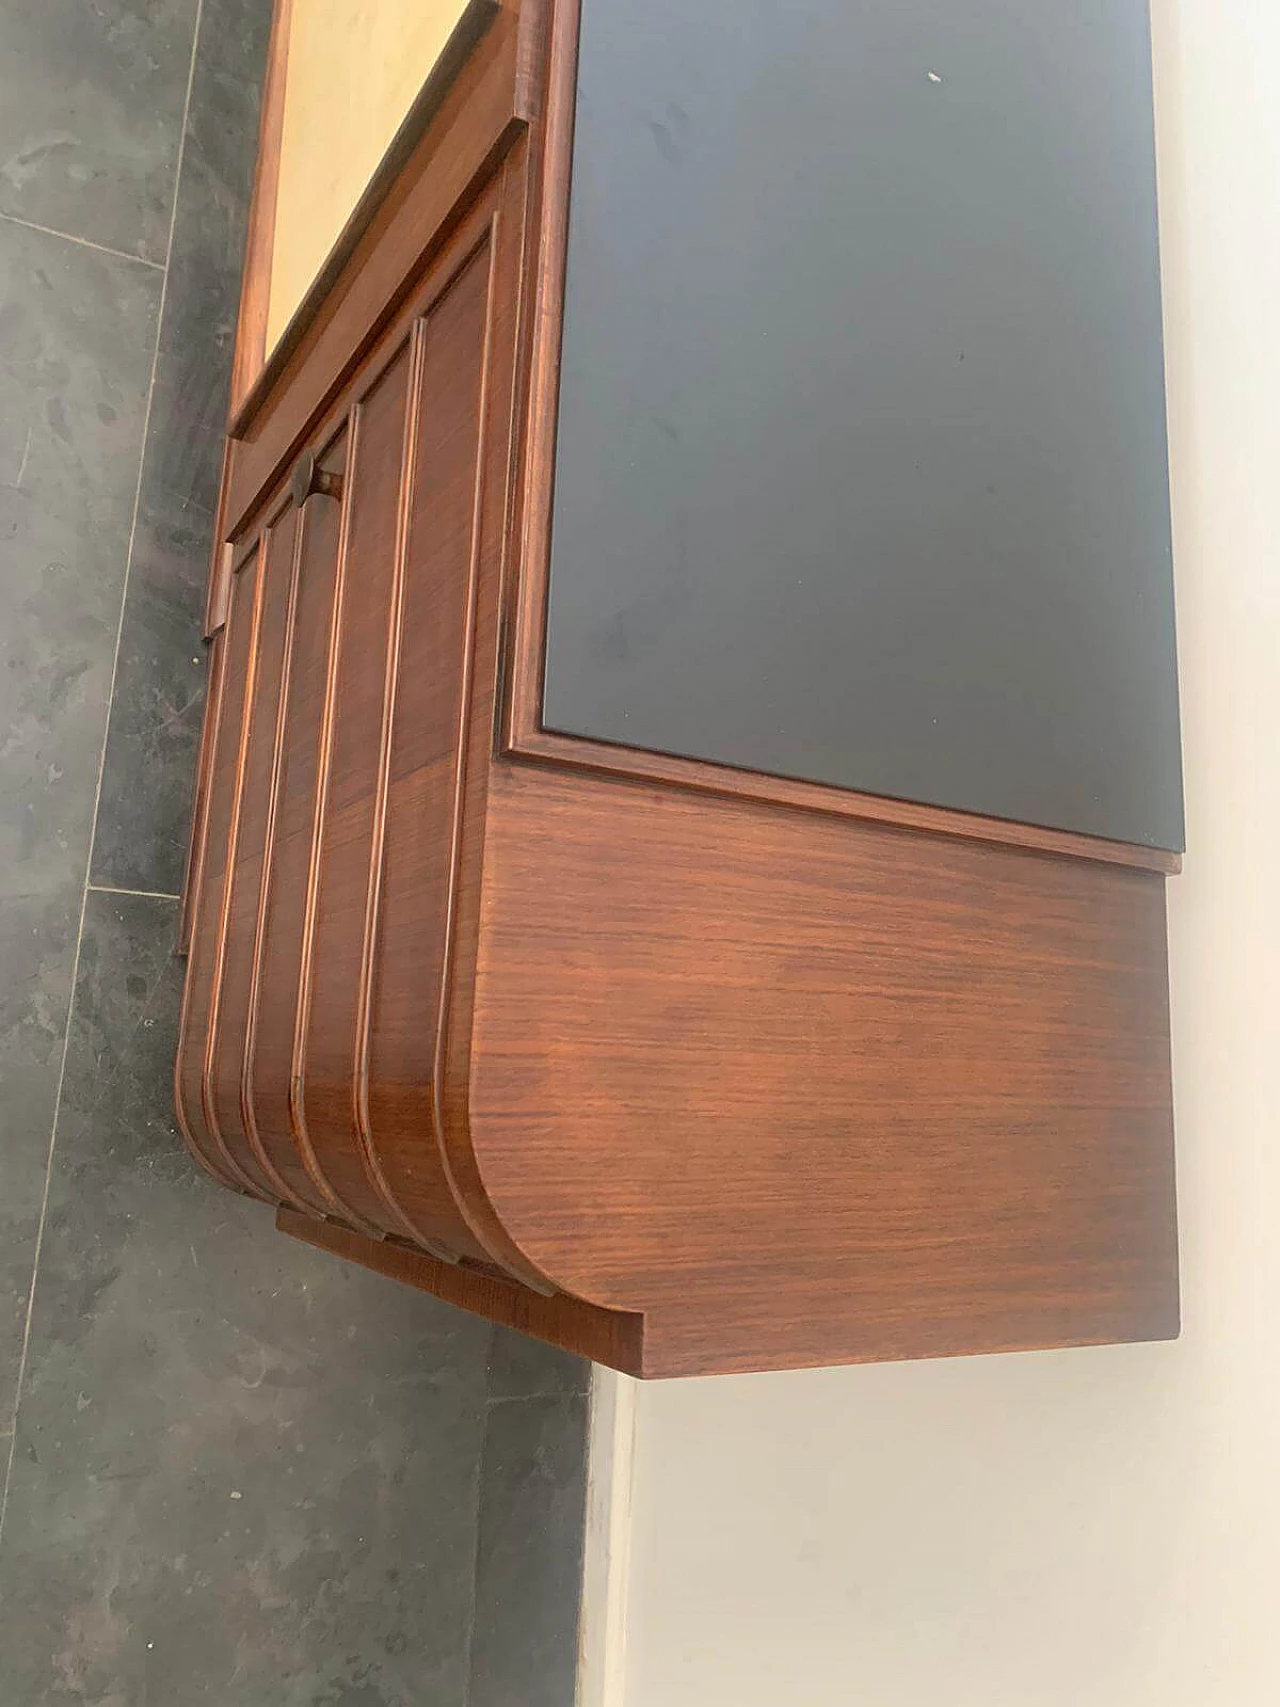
[529,1567]
[523,1368]
[91,100]
[155,716]
[37,948]
[77,337]
[77,332]
[245,1473]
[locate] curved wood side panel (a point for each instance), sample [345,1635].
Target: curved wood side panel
[326,1060]
[237,645]
[276,569]
[195,989]
[317,997]
[805,1090]
[374,958]
[329,852]
[535,199]
[408,948]
[267,1072]
[606,1336]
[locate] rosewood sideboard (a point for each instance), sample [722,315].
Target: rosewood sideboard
[691,765]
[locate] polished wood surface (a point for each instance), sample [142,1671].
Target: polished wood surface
[603,759]
[330,826]
[685,1068]
[606,1336]
[275,997]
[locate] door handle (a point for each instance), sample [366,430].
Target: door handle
[309,478]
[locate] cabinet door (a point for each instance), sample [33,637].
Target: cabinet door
[332,849]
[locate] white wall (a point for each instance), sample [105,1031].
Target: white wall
[1090,1528]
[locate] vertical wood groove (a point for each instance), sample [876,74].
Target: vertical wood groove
[306,979]
[248,1113]
[465,705]
[530,404]
[207,1099]
[193,894]
[200,809]
[377,845]
[522,706]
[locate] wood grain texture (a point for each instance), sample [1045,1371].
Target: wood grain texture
[200,804]
[548,251]
[808,1090]
[605,1336]
[326,1065]
[237,641]
[318,1000]
[604,759]
[687,1069]
[267,1070]
[276,567]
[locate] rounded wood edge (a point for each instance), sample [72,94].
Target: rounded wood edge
[199,1155]
[520,231]
[401,1222]
[683,1344]
[527,595]
[299,1130]
[611,1337]
[228,1161]
[545,746]
[284,1192]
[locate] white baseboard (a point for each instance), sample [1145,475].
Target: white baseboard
[607,1551]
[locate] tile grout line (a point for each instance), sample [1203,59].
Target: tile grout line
[102,759]
[140,894]
[524,1398]
[44,1214]
[82,242]
[469,1653]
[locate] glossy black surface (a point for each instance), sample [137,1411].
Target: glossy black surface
[862,470]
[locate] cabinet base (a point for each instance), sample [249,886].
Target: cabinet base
[613,1337]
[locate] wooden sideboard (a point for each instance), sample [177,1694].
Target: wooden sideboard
[691,766]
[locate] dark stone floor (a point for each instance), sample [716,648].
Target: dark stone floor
[238,1472]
